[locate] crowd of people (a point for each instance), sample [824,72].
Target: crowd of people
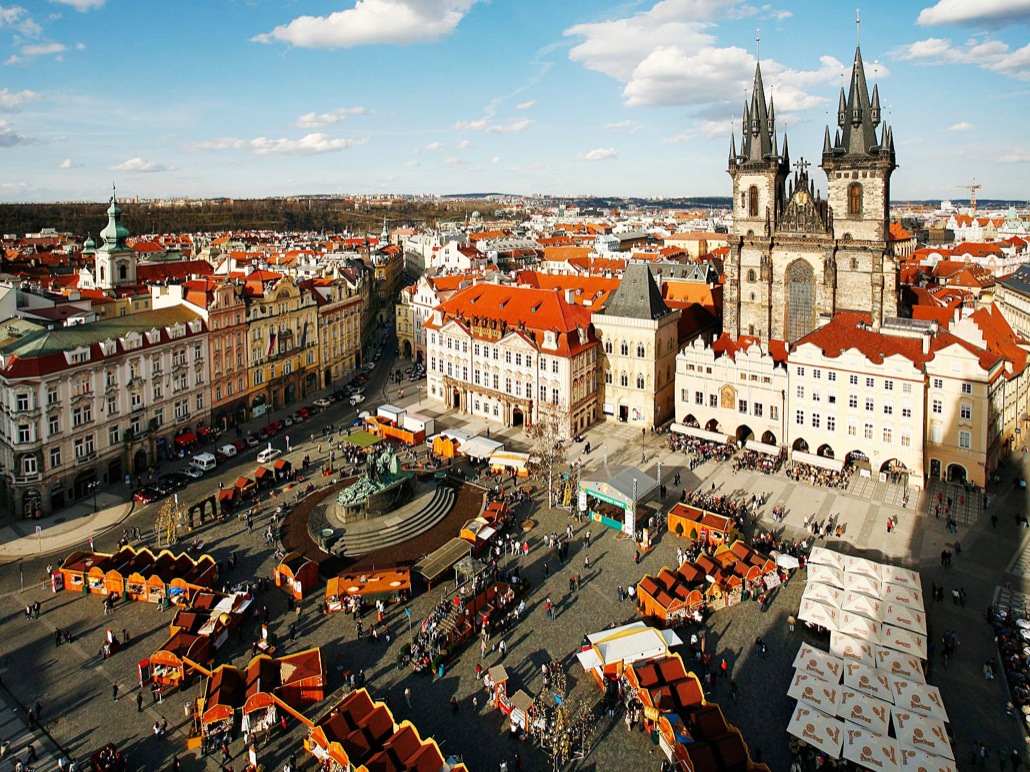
[815,475]
[759,462]
[700,450]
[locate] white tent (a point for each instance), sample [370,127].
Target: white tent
[816,728]
[627,644]
[903,640]
[762,447]
[866,585]
[904,596]
[823,593]
[922,732]
[868,680]
[903,577]
[817,662]
[818,614]
[916,698]
[480,447]
[851,649]
[866,711]
[815,691]
[899,665]
[858,626]
[863,567]
[867,606]
[871,750]
[833,464]
[902,616]
[825,557]
[917,761]
[818,572]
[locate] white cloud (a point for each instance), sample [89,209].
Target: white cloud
[32,50]
[17,18]
[495,159]
[82,5]
[432,147]
[962,126]
[455,161]
[315,143]
[993,55]
[490,127]
[627,125]
[138,164]
[464,145]
[601,154]
[319,120]
[65,164]
[10,138]
[979,13]
[686,136]
[412,163]
[525,105]
[374,22]
[1020,156]
[13,101]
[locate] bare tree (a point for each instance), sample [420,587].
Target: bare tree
[171,515]
[549,436]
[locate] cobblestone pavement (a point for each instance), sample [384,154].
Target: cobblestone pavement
[75,686]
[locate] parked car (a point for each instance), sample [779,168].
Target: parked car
[240,445]
[205,462]
[253,440]
[357,399]
[176,479]
[194,471]
[306,412]
[268,454]
[163,488]
[322,403]
[146,495]
[220,457]
[229,450]
[288,420]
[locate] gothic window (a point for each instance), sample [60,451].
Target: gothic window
[624,380]
[800,281]
[608,376]
[752,202]
[640,381]
[751,274]
[854,198]
[122,272]
[640,350]
[854,264]
[103,273]
[624,349]
[608,347]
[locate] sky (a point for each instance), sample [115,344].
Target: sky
[250,98]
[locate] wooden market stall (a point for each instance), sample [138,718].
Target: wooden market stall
[228,500]
[296,574]
[387,584]
[245,486]
[479,533]
[264,477]
[136,574]
[710,529]
[282,469]
[224,694]
[172,664]
[284,683]
[611,650]
[673,596]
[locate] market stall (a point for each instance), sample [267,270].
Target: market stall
[387,584]
[224,694]
[296,574]
[479,533]
[245,486]
[700,525]
[617,501]
[228,500]
[611,650]
[283,468]
[264,477]
[510,462]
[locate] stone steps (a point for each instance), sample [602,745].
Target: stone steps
[354,545]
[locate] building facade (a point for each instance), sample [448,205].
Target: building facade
[509,354]
[339,326]
[85,406]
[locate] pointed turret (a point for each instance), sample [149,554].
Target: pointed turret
[733,150]
[827,148]
[842,108]
[874,111]
[772,116]
[114,234]
[859,137]
[786,153]
[758,132]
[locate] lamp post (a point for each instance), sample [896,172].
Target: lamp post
[93,487]
[419,387]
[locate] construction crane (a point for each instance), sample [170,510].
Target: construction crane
[972,193]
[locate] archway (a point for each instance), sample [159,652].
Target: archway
[289,393]
[517,417]
[956,473]
[418,357]
[895,470]
[327,377]
[713,425]
[744,433]
[858,460]
[691,421]
[825,451]
[259,406]
[769,438]
[407,349]
[32,503]
[139,462]
[800,445]
[57,497]
[935,468]
[114,470]
[457,400]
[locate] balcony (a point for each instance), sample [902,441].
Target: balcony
[85,458]
[23,479]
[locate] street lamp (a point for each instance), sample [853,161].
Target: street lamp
[93,487]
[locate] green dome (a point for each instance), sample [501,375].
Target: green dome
[115,233]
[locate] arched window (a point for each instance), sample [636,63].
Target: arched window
[624,380]
[123,272]
[624,348]
[752,202]
[640,350]
[751,276]
[640,381]
[608,347]
[608,377]
[855,198]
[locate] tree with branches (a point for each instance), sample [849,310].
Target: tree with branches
[550,444]
[171,515]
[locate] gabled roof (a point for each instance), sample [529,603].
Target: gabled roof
[638,296]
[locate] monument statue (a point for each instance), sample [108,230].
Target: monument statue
[383,473]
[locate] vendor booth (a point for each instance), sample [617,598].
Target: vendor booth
[264,477]
[137,575]
[228,499]
[245,486]
[223,696]
[480,448]
[510,462]
[615,502]
[172,664]
[282,468]
[387,584]
[296,574]
[611,650]
[710,529]
[479,533]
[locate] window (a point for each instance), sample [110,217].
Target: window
[608,377]
[554,396]
[51,396]
[640,350]
[816,396]
[54,425]
[831,398]
[831,423]
[699,397]
[888,436]
[888,408]
[624,380]
[518,359]
[640,381]
[22,401]
[24,433]
[967,388]
[867,431]
[774,412]
[888,385]
[800,372]
[55,458]
[497,381]
[965,411]
[84,446]
[751,275]
[757,409]
[965,440]
[182,409]
[854,199]
[937,407]
[607,348]
[554,365]
[831,376]
[937,383]
[28,465]
[624,348]
[906,388]
[713,400]
[742,406]
[852,429]
[799,417]
[906,410]
[816,420]
[853,380]
[752,201]
[869,404]
[817,373]
[853,401]
[870,383]
[112,434]
[507,357]
[82,415]
[259,377]
[507,385]
[936,433]
[800,391]
[906,439]
[200,401]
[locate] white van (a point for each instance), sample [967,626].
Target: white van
[205,462]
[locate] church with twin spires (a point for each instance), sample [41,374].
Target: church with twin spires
[796,258]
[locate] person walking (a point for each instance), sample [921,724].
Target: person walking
[407,695]
[139,701]
[502,647]
[114,691]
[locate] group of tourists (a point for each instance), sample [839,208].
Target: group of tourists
[815,475]
[759,462]
[700,450]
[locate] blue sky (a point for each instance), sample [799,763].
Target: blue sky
[277,97]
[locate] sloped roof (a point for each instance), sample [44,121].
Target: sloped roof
[638,296]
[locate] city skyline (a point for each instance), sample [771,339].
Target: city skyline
[459,96]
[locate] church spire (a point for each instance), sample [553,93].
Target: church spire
[859,137]
[758,140]
[733,149]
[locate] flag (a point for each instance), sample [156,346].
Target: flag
[271,343]
[304,335]
[407,613]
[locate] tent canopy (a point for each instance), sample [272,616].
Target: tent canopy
[762,447]
[818,729]
[833,464]
[701,434]
[480,447]
[870,750]
[817,662]
[815,691]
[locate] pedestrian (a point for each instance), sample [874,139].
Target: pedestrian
[114,691]
[293,630]
[734,689]
[35,610]
[586,562]
[57,637]
[475,702]
[407,695]
[139,702]
[791,621]
[502,647]
[954,596]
